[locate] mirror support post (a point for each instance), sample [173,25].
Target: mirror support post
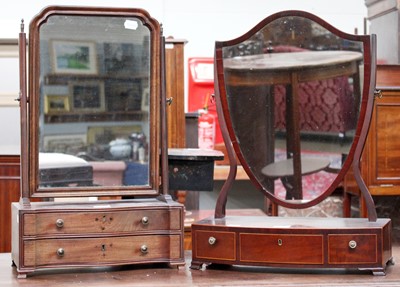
[372,215]
[23,101]
[164,118]
[220,207]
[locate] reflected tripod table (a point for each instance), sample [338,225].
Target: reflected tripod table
[291,69]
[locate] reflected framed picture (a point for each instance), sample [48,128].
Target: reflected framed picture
[121,58]
[87,96]
[64,143]
[56,104]
[73,57]
[105,134]
[123,95]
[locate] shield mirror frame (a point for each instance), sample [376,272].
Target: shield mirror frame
[232,143]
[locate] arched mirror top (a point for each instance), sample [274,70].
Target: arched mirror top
[294,92]
[94,102]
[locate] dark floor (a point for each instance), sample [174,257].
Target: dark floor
[160,275]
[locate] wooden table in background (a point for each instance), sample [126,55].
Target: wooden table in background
[250,73]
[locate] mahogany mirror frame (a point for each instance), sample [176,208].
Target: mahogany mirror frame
[30,106]
[354,155]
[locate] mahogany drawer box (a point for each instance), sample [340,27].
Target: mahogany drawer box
[97,233]
[100,222]
[106,250]
[306,242]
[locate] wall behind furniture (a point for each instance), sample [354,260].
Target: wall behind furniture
[200,24]
[9,110]
[204,23]
[9,131]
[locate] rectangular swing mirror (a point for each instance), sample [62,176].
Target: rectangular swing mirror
[94,113]
[93,124]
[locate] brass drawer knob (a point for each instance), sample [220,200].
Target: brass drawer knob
[144,249]
[60,252]
[212,240]
[60,223]
[145,220]
[352,244]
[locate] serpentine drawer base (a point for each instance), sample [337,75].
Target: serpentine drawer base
[51,235]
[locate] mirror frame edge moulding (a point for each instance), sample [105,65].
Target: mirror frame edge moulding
[154,186]
[367,98]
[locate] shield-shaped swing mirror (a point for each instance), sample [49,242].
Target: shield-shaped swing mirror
[294,98]
[293,93]
[94,102]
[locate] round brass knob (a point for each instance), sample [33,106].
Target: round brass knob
[212,240]
[144,249]
[145,220]
[60,252]
[352,244]
[60,223]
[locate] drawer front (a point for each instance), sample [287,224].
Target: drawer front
[352,248]
[281,248]
[214,245]
[101,222]
[95,251]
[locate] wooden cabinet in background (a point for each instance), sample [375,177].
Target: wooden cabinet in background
[380,164]
[174,65]
[176,120]
[9,192]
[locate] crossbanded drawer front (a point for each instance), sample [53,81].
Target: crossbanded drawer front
[352,248]
[214,245]
[95,251]
[101,222]
[281,248]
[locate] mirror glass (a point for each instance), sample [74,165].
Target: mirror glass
[293,94]
[94,99]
